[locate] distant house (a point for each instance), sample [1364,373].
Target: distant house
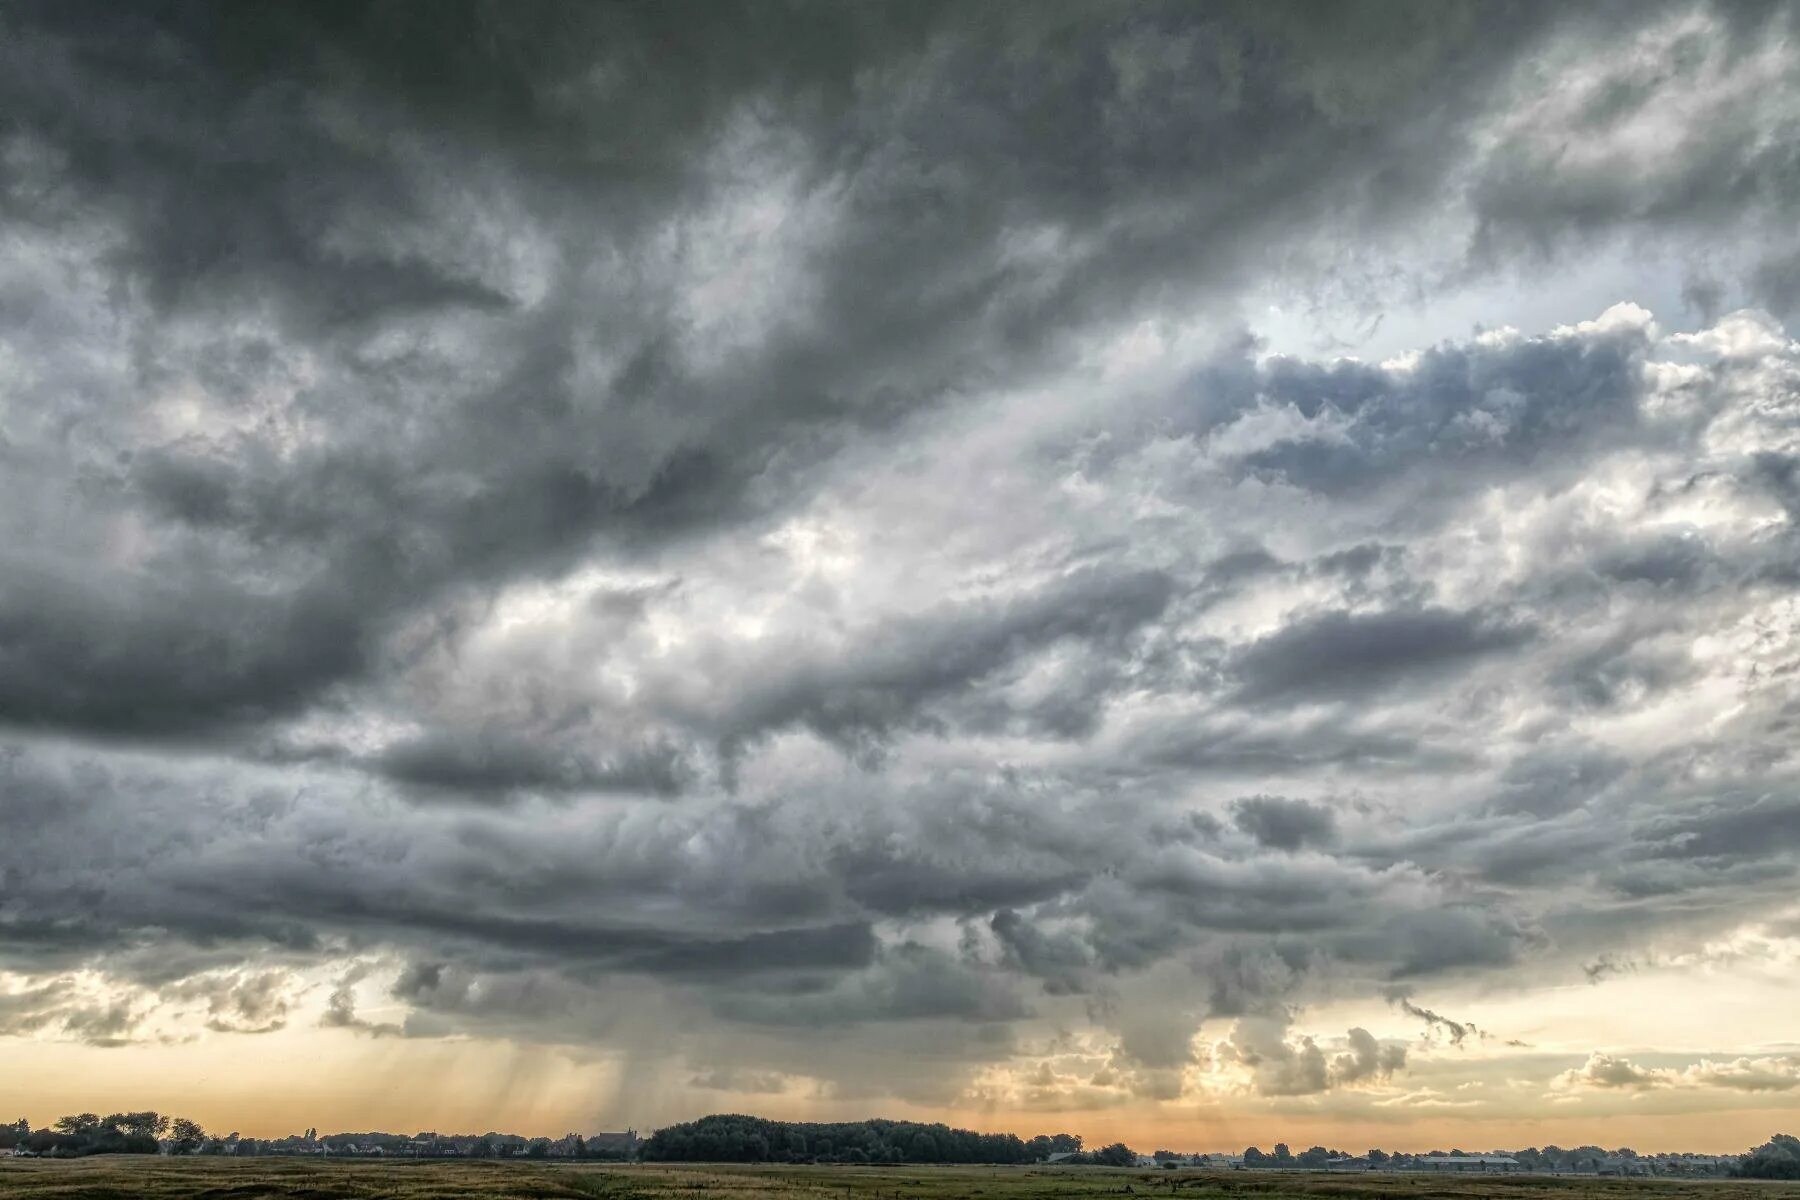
[1471,1163]
[1614,1164]
[1061,1156]
[613,1143]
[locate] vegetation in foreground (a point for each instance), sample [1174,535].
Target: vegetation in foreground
[122,1177]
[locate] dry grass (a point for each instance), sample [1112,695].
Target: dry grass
[309,1179]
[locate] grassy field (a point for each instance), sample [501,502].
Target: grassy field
[303,1179]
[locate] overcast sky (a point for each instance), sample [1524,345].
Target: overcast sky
[1194,573]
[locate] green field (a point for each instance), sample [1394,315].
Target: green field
[306,1179]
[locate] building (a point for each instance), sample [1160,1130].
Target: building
[1348,1162]
[1615,1164]
[1470,1163]
[624,1144]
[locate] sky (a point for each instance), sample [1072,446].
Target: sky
[1199,574]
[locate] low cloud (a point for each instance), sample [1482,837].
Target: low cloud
[1779,1073]
[1281,1064]
[1456,1031]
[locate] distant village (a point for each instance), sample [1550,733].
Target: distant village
[1552,1161]
[152,1133]
[602,1146]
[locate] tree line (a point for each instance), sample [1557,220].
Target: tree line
[119,1133]
[732,1137]
[154,1133]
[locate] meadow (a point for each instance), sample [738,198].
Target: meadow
[132,1178]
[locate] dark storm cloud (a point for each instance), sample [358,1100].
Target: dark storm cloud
[1062,961]
[329,173]
[497,764]
[1284,824]
[909,982]
[1340,655]
[768,522]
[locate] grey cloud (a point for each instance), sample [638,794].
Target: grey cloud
[908,982]
[1457,413]
[1727,829]
[1607,965]
[105,1025]
[340,1006]
[1456,1031]
[1366,1059]
[246,1002]
[1285,824]
[1436,940]
[1061,960]
[430,473]
[1279,1067]
[1285,1066]
[1230,747]
[495,764]
[894,672]
[29,1009]
[1555,780]
[748,1082]
[1715,165]
[1254,981]
[1341,655]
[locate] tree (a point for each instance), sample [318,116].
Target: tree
[1377,1156]
[1254,1157]
[1116,1155]
[1314,1157]
[140,1124]
[1282,1154]
[185,1136]
[1777,1158]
